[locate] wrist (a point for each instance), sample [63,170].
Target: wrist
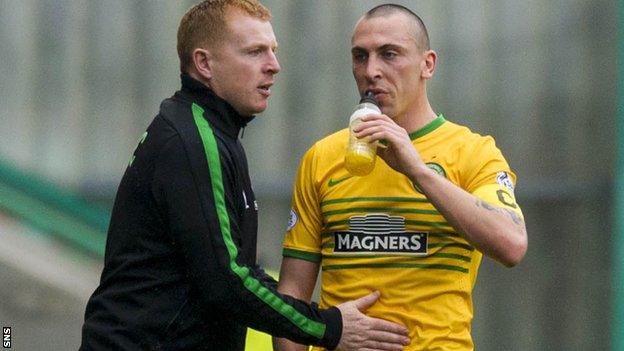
[420,173]
[333,331]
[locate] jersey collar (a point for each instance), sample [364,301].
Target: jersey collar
[430,127]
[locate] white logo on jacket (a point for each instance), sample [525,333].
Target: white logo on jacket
[245,199]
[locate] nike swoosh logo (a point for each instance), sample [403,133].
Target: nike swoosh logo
[333,182]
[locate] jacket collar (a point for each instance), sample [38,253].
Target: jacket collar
[223,116]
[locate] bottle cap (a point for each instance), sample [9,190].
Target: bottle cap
[369,97]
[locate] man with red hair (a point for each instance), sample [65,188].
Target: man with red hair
[180,268]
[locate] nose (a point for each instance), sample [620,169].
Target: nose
[372,69]
[272,66]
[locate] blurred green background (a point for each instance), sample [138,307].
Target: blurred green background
[82,79]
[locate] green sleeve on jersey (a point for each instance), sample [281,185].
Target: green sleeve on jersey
[302,255]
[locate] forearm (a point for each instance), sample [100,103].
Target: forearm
[297,279]
[282,344]
[204,226]
[497,232]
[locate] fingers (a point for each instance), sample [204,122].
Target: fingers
[380,127]
[384,327]
[383,339]
[388,338]
[363,303]
[383,347]
[361,332]
[372,120]
[368,342]
[381,145]
[364,337]
[377,135]
[373,116]
[378,345]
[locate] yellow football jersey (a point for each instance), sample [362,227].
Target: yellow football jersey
[380,232]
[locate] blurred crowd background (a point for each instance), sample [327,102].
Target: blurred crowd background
[82,79]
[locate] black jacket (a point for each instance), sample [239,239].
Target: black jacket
[180,268]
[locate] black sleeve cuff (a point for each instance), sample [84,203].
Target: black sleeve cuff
[333,331]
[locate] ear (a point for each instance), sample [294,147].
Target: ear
[202,63]
[428,64]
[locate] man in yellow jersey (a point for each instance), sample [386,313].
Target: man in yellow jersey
[180,270]
[416,227]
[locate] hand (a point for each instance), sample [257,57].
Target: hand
[360,332]
[399,152]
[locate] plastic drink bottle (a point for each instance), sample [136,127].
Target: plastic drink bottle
[361,154]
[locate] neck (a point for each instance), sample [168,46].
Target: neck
[199,77]
[419,114]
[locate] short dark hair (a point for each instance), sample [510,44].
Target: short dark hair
[420,31]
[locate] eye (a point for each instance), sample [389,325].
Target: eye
[359,56]
[389,55]
[255,52]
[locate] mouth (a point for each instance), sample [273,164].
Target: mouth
[378,92]
[265,89]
